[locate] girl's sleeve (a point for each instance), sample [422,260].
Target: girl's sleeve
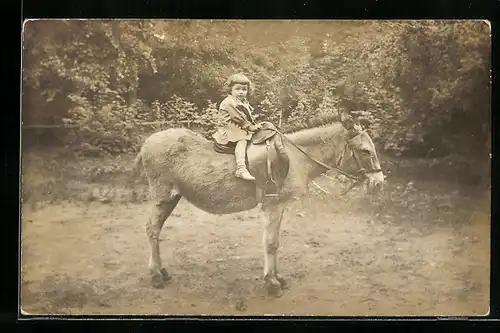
[236,115]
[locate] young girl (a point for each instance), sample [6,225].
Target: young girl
[239,122]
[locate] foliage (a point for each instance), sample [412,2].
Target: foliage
[107,126]
[422,87]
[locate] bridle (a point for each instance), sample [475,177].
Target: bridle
[361,171]
[361,174]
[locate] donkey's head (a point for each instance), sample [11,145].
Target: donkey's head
[360,156]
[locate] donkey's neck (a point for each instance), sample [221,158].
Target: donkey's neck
[323,143]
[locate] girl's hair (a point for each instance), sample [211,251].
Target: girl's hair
[238,78]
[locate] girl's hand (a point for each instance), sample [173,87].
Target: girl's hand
[257,127]
[253,128]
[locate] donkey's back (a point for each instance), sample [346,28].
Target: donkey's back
[178,161]
[168,148]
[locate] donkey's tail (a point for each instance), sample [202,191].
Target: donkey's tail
[135,173]
[137,166]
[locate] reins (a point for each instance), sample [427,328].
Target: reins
[316,160]
[356,179]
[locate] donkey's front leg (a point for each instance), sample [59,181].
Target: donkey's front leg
[272,215]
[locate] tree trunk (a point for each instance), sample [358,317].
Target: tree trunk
[133,87]
[289,101]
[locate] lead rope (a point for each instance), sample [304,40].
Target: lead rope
[317,161]
[357,180]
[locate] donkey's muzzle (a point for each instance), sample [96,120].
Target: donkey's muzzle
[375,182]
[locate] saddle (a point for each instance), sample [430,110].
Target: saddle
[264,135]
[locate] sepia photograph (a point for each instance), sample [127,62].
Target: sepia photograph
[255,167]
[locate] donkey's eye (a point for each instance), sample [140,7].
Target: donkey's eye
[365,151]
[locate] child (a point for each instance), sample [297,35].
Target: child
[239,121]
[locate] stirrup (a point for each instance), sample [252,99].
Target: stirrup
[273,187]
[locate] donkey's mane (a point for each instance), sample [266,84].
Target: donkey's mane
[310,123]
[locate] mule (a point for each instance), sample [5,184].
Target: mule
[181,163]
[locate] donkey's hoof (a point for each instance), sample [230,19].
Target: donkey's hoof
[166,277]
[284,284]
[157,281]
[274,289]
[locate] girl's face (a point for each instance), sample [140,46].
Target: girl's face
[239,91]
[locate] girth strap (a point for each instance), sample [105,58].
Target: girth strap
[270,179]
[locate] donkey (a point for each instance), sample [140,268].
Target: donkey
[181,163]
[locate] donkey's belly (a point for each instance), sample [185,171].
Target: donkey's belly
[229,207]
[224,197]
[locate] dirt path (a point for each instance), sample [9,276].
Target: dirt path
[423,249]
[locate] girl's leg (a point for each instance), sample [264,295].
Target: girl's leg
[240,155]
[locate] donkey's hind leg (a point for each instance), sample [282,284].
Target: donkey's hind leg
[161,210]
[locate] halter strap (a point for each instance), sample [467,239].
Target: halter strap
[318,161]
[361,169]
